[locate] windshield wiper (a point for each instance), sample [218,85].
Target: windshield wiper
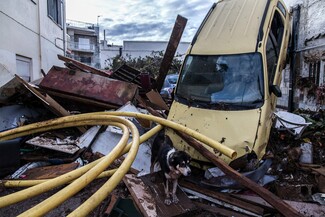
[219,105]
[254,104]
[195,101]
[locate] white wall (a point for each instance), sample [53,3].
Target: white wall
[21,23]
[137,49]
[312,22]
[145,48]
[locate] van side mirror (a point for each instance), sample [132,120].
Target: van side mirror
[275,89]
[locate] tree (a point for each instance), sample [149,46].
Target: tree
[150,64]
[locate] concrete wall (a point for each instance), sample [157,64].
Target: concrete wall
[27,31]
[311,42]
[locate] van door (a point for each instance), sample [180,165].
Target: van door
[274,55]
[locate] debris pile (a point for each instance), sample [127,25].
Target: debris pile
[293,169]
[296,175]
[86,149]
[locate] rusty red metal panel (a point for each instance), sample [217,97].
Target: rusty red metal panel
[89,86]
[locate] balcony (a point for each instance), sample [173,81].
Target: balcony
[76,46]
[89,60]
[79,24]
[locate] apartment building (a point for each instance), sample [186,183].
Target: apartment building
[32,35]
[83,43]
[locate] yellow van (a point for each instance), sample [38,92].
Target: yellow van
[229,81]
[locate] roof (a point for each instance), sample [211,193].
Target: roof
[232,26]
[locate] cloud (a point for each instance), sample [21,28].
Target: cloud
[138,29]
[139,20]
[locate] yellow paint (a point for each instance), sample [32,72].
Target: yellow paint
[233,27]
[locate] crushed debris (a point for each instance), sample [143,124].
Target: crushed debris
[292,170]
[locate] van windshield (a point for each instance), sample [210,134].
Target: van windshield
[222,81]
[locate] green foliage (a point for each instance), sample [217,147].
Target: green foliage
[150,64]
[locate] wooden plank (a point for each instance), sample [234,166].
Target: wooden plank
[185,205]
[224,197]
[308,209]
[49,172]
[111,205]
[66,146]
[55,107]
[174,40]
[271,198]
[219,211]
[151,195]
[10,89]
[84,66]
[155,98]
[141,195]
[48,101]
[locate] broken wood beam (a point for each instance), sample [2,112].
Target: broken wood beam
[84,66]
[152,111]
[167,60]
[307,208]
[141,195]
[219,211]
[55,107]
[48,101]
[224,197]
[271,198]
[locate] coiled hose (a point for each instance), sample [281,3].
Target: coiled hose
[89,172]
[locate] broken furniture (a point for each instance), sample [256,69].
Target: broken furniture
[87,87]
[294,124]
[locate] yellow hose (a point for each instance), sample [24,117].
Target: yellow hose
[70,190]
[96,167]
[63,179]
[92,202]
[46,186]
[29,183]
[24,130]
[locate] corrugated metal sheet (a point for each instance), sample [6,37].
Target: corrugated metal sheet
[89,86]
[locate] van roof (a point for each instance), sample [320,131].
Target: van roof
[232,27]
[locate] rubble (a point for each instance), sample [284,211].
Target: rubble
[298,179]
[294,166]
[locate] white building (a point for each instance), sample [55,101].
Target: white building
[83,45]
[308,70]
[135,49]
[32,36]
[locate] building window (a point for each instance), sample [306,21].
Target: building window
[86,60]
[24,67]
[314,72]
[84,43]
[54,11]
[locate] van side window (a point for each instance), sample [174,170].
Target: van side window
[273,45]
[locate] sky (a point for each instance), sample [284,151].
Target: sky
[142,20]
